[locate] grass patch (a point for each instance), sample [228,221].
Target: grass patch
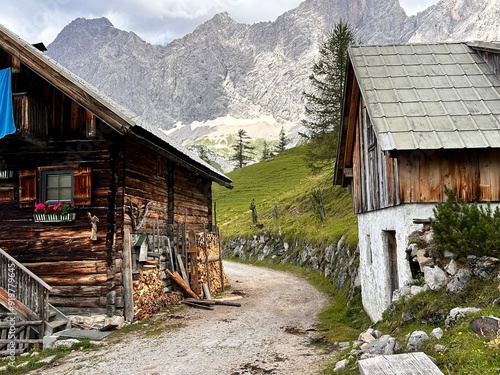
[286,183]
[33,362]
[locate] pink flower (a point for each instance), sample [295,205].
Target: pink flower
[40,207]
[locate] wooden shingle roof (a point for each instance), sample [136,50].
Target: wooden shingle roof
[428,96]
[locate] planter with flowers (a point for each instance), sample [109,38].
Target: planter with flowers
[61,212]
[4,171]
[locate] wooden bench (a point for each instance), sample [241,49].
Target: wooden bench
[417,363]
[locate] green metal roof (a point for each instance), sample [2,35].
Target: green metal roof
[429,96]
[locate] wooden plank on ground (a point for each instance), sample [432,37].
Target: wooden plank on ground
[178,279]
[417,363]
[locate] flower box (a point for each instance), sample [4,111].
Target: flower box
[54,218]
[6,174]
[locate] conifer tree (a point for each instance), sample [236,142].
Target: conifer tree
[282,141]
[266,152]
[242,149]
[324,100]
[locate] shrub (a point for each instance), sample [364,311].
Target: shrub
[466,228]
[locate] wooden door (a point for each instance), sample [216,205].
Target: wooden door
[392,249]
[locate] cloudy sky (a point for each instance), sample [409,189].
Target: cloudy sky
[156,21]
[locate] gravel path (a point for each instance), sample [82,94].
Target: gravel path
[269,334]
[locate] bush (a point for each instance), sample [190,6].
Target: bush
[466,228]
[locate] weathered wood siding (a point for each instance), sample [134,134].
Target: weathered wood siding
[146,189]
[192,200]
[419,176]
[375,183]
[473,174]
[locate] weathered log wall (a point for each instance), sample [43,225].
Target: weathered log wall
[381,180]
[192,200]
[62,254]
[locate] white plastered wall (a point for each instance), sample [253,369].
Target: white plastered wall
[374,256]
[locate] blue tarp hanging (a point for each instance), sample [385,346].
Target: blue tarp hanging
[7,125]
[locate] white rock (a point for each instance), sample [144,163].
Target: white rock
[437,333]
[340,365]
[47,360]
[452,267]
[435,277]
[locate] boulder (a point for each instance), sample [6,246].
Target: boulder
[400,293]
[437,333]
[435,277]
[482,267]
[416,341]
[385,345]
[458,312]
[457,282]
[423,260]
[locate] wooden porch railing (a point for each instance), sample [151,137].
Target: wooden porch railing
[22,290]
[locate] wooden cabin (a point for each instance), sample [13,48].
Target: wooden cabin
[122,176]
[416,118]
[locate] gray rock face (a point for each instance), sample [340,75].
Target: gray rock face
[246,71]
[482,267]
[457,282]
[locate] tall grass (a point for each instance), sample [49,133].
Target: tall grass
[286,183]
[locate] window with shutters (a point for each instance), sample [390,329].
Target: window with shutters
[54,184]
[57,186]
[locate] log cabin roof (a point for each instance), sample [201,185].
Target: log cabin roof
[115,115]
[428,96]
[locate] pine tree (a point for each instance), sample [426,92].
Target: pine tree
[282,142]
[266,152]
[242,149]
[324,101]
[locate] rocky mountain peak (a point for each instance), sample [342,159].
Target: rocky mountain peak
[226,75]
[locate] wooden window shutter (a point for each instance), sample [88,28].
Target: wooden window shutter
[82,188]
[27,188]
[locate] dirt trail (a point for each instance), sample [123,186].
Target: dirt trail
[269,334]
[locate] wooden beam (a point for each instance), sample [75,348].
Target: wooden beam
[128,291]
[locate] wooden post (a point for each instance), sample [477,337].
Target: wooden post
[128,292]
[220,258]
[206,255]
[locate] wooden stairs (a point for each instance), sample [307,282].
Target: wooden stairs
[26,315]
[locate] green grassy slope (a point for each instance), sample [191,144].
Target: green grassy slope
[286,182]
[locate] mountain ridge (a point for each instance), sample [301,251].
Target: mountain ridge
[228,72]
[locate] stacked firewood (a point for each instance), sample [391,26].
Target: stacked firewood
[149,295]
[208,244]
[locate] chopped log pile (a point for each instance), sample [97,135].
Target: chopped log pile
[209,263]
[194,272]
[149,295]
